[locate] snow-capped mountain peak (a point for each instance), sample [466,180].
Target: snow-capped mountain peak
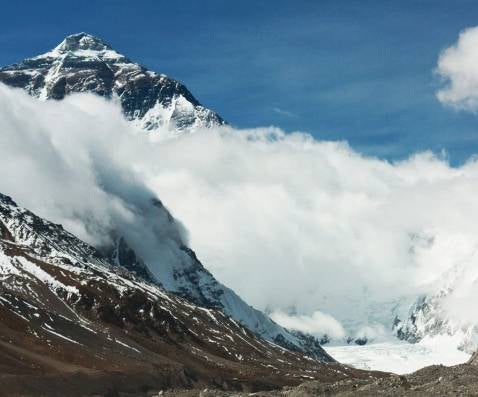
[82,41]
[85,63]
[85,45]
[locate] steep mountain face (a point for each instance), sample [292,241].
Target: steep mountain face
[84,63]
[179,270]
[188,278]
[67,314]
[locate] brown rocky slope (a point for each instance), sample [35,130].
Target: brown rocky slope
[72,325]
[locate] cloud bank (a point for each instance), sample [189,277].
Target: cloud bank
[457,65]
[66,161]
[317,323]
[285,220]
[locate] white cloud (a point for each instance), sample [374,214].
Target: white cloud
[285,220]
[68,162]
[289,221]
[317,323]
[458,66]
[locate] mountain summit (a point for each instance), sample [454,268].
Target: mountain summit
[82,41]
[85,63]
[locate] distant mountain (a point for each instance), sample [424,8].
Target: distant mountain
[437,313]
[65,309]
[84,63]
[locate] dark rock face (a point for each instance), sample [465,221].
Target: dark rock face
[124,256]
[83,63]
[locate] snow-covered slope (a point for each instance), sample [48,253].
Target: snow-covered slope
[84,63]
[65,309]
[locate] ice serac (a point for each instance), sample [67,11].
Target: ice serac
[84,63]
[67,311]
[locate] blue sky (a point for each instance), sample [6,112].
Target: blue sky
[360,71]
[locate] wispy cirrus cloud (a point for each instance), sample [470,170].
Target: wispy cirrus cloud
[283,112]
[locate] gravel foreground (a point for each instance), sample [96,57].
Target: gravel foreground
[436,380]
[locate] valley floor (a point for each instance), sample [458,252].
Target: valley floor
[400,357]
